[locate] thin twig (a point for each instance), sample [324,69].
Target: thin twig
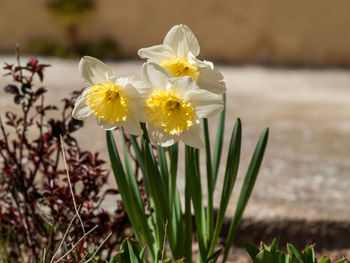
[165,230]
[69,251]
[7,143]
[40,143]
[44,255]
[18,61]
[25,223]
[63,239]
[98,248]
[70,185]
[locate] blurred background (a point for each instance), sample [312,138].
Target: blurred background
[285,64]
[310,33]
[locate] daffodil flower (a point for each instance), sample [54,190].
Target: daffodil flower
[174,106]
[178,55]
[114,102]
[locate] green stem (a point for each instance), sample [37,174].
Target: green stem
[188,214]
[173,153]
[210,185]
[219,140]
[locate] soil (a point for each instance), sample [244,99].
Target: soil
[330,239]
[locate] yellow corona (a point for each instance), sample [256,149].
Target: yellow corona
[168,111]
[108,102]
[180,68]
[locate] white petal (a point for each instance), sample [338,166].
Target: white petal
[132,127]
[142,86]
[136,103]
[206,103]
[94,71]
[158,136]
[107,125]
[157,53]
[202,64]
[123,81]
[192,137]
[183,84]
[211,79]
[81,110]
[156,75]
[182,40]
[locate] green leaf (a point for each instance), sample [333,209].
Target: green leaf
[128,253]
[274,244]
[273,249]
[142,253]
[177,222]
[123,254]
[294,252]
[197,200]
[158,192]
[114,259]
[157,187]
[219,139]
[138,154]
[133,255]
[232,164]
[130,194]
[309,255]
[128,168]
[163,165]
[325,260]
[188,213]
[282,258]
[263,257]
[250,248]
[210,180]
[213,258]
[173,156]
[247,188]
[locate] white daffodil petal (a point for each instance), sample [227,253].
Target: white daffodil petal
[157,136]
[81,110]
[192,137]
[182,85]
[107,125]
[157,53]
[94,71]
[206,103]
[156,75]
[212,80]
[137,107]
[131,126]
[202,64]
[182,40]
[123,81]
[143,87]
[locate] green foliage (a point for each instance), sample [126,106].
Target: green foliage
[271,254]
[70,11]
[169,221]
[131,251]
[48,48]
[104,48]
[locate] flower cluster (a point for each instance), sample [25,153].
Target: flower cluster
[174,92]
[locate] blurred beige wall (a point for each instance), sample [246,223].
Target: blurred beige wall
[292,32]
